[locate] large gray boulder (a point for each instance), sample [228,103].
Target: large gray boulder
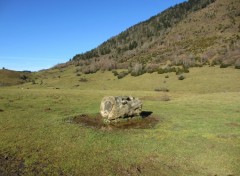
[120,107]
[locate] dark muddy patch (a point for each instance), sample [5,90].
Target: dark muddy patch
[144,121]
[10,165]
[151,165]
[233,124]
[1,110]
[47,109]
[228,136]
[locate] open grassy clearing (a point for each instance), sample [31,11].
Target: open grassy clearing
[198,131]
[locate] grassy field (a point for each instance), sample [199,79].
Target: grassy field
[198,131]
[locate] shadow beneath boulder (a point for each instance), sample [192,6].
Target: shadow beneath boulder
[145,114]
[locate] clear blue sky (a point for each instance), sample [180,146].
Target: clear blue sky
[37,34]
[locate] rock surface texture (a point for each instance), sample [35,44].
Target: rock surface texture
[120,107]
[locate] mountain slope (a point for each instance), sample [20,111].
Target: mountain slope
[191,33]
[10,77]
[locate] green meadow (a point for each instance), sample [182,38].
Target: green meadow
[198,132]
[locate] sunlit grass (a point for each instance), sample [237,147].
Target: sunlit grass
[198,132]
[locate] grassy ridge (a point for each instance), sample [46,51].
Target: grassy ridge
[10,77]
[204,80]
[198,132]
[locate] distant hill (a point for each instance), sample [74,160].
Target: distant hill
[193,33]
[10,77]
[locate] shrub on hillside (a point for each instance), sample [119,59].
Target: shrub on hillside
[217,60]
[79,69]
[181,77]
[115,73]
[23,77]
[161,89]
[185,70]
[167,70]
[237,64]
[106,64]
[151,68]
[86,70]
[90,69]
[122,74]
[124,65]
[224,65]
[33,82]
[180,71]
[137,70]
[161,71]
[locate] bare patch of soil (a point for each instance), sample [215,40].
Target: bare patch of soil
[10,165]
[14,166]
[233,124]
[47,109]
[144,121]
[151,165]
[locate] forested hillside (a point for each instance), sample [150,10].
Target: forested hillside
[193,33]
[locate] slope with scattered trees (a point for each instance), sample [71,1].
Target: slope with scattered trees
[193,33]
